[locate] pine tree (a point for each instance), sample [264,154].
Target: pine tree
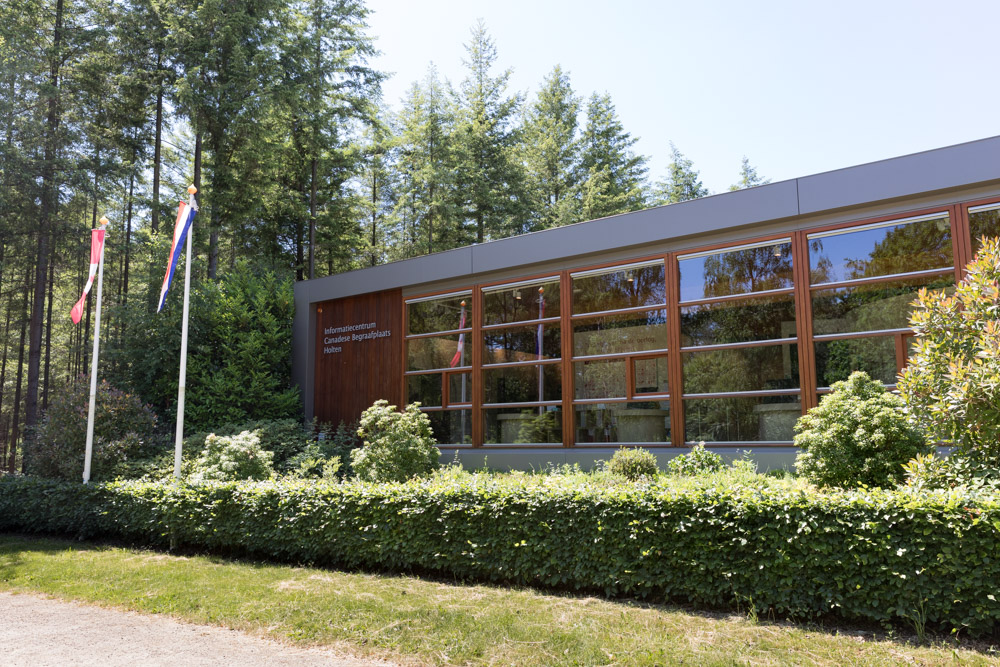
[681,183]
[615,176]
[490,177]
[428,203]
[749,177]
[551,150]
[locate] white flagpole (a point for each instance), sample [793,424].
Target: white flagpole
[184,342]
[93,360]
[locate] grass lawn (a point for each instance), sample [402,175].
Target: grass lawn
[414,621]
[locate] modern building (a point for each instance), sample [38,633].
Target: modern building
[719,320]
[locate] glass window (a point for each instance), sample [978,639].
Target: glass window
[451,427]
[743,270]
[881,250]
[741,369]
[650,375]
[459,388]
[743,419]
[599,379]
[837,359]
[448,351]
[738,321]
[530,343]
[983,222]
[441,314]
[628,332]
[424,389]
[518,303]
[523,384]
[541,425]
[870,307]
[618,288]
[645,422]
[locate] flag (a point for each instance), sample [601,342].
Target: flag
[96,245]
[185,216]
[461,341]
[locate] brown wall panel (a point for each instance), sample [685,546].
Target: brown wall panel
[352,374]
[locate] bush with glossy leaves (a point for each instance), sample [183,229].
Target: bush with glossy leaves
[397,445]
[858,435]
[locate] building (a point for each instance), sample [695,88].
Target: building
[720,320]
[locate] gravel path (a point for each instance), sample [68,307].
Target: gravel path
[38,631]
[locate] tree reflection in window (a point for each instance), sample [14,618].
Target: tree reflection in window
[881,250]
[616,289]
[740,271]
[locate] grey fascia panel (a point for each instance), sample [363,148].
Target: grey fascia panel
[654,225]
[425,269]
[969,164]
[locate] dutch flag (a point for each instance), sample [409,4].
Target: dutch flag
[185,216]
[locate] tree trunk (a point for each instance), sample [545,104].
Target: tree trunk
[15,432]
[128,236]
[48,211]
[154,218]
[312,220]
[48,335]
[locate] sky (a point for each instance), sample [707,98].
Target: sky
[797,87]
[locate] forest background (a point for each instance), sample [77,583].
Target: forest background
[273,110]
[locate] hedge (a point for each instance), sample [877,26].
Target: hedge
[866,555]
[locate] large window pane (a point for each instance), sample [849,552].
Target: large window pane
[424,389]
[744,320]
[983,223]
[650,375]
[524,302]
[871,307]
[424,354]
[451,427]
[514,426]
[741,369]
[881,251]
[522,344]
[439,314]
[765,267]
[620,288]
[645,422]
[837,359]
[523,384]
[743,419]
[599,379]
[630,332]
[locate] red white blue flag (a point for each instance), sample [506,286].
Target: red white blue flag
[96,246]
[185,216]
[461,342]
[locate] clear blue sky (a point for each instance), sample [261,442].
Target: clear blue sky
[798,87]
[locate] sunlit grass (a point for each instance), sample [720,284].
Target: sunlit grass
[412,620]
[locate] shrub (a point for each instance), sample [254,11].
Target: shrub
[239,362]
[123,430]
[233,458]
[873,555]
[699,461]
[397,445]
[633,463]
[857,435]
[952,380]
[934,472]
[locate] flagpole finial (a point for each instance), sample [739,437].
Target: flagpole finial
[103,221]
[192,190]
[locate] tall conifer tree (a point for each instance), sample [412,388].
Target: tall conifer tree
[551,150]
[615,176]
[491,177]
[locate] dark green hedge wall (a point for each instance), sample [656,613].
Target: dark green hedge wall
[873,555]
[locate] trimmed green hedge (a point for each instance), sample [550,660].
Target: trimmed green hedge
[873,555]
